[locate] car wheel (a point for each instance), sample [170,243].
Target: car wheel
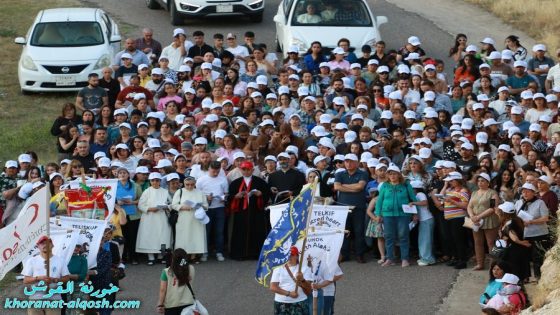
[152,4]
[257,18]
[176,19]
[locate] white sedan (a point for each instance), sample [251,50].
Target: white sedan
[63,46]
[300,22]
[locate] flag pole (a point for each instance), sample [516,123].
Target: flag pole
[309,210]
[50,246]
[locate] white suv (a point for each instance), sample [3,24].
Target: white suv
[65,45]
[181,9]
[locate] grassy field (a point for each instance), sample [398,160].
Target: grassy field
[538,18]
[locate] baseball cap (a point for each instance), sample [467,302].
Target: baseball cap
[507,207]
[488,40]
[351,157]
[414,41]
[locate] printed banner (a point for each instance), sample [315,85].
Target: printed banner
[325,234]
[94,200]
[64,242]
[90,232]
[18,238]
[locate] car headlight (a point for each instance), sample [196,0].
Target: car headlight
[371,42]
[255,4]
[103,62]
[300,44]
[27,63]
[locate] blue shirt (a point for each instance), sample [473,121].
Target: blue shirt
[357,199]
[127,192]
[523,126]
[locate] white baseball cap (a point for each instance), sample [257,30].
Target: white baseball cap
[414,41]
[485,176]
[467,124]
[546,179]
[313,149]
[429,96]
[200,140]
[509,278]
[529,186]
[425,153]
[163,163]
[520,63]
[516,110]
[488,40]
[154,175]
[538,47]
[507,207]
[481,137]
[318,159]
[489,122]
[504,147]
[351,157]
[350,136]
[416,127]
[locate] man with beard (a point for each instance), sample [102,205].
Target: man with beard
[247,198]
[155,85]
[110,85]
[138,57]
[148,45]
[338,87]
[126,96]
[34,272]
[183,81]
[92,97]
[199,49]
[286,181]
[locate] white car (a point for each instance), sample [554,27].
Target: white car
[181,9]
[65,45]
[301,22]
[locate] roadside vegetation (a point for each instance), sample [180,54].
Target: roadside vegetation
[538,18]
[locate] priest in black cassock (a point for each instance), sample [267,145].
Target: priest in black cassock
[247,198]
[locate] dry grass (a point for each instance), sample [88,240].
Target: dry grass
[538,18]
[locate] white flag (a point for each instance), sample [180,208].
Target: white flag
[90,232]
[64,242]
[325,233]
[18,239]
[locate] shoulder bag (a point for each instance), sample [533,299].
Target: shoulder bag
[196,308]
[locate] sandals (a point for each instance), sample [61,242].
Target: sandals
[478,267]
[381,261]
[388,263]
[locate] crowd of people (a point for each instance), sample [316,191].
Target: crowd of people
[210,134]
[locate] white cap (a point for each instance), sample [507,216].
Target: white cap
[365,156]
[341,126]
[439,164]
[417,184]
[338,51]
[104,162]
[350,136]
[453,176]
[504,147]
[382,69]
[546,179]
[467,146]
[429,67]
[310,98]
[64,161]
[154,175]
[545,118]
[99,154]
[538,47]
[171,176]
[372,162]
[456,133]
[402,68]
[239,155]
[551,98]
[262,79]
[393,168]
[509,278]
[395,95]
[355,65]
[362,106]
[482,97]
[319,131]
[484,65]
[211,118]
[425,153]
[464,140]
[14,164]
[489,122]
[324,64]
[139,96]
[216,106]
[120,111]
[271,96]
[513,130]
[252,85]
[178,31]
[414,41]
[270,158]
[429,96]
[295,68]
[409,114]
[416,127]
[157,71]
[351,157]
[485,176]
[373,62]
[283,155]
[529,186]
[467,124]
[488,40]
[456,119]
[477,106]
[293,77]
[520,63]
[507,207]
[412,56]
[184,68]
[538,95]
[267,122]
[535,127]
[200,140]
[313,149]
[516,110]
[220,133]
[386,114]
[24,158]
[201,216]
[430,114]
[495,55]
[357,116]
[449,164]
[142,170]
[326,142]
[380,166]
[471,48]
[338,157]
[126,56]
[503,89]
[292,149]
[163,163]
[527,94]
[125,125]
[318,159]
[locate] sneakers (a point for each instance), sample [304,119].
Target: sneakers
[220,257]
[421,262]
[150,262]
[204,258]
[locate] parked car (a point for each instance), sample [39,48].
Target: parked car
[181,9]
[63,46]
[300,22]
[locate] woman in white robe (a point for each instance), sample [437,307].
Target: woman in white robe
[154,228]
[191,233]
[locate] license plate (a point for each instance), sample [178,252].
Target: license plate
[65,80]
[224,8]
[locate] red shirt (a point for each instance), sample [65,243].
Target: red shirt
[127,94]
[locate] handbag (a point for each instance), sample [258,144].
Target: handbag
[498,251]
[196,308]
[305,286]
[173,216]
[468,223]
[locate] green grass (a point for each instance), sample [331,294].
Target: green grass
[25,120]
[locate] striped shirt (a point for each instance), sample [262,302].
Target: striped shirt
[452,211]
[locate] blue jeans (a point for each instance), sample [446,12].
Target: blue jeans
[319,302]
[396,229]
[215,228]
[328,305]
[425,240]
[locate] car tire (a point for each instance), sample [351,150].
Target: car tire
[152,4]
[176,18]
[257,18]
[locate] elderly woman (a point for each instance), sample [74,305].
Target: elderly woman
[393,194]
[535,215]
[154,230]
[416,171]
[481,209]
[287,283]
[191,233]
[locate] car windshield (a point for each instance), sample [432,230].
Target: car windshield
[331,13]
[67,34]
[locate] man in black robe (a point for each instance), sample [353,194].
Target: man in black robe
[247,198]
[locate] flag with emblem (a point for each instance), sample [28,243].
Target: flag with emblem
[286,232]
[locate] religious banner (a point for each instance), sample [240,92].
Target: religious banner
[93,200]
[89,231]
[18,238]
[325,233]
[64,242]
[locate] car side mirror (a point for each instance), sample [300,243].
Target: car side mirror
[115,38]
[381,20]
[20,40]
[278,19]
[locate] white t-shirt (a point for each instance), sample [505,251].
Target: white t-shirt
[533,115]
[554,75]
[240,51]
[174,56]
[286,282]
[217,186]
[423,211]
[35,267]
[330,289]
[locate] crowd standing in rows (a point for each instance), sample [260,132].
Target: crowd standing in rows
[219,131]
